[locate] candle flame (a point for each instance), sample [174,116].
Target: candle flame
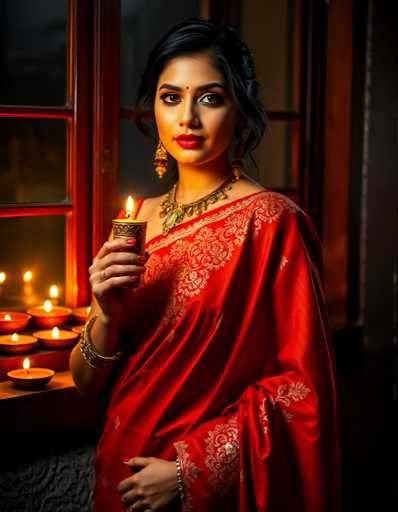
[55,332]
[15,337]
[26,364]
[88,310]
[129,206]
[27,277]
[54,291]
[2,277]
[7,317]
[48,307]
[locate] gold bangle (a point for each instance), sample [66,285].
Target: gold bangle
[90,352]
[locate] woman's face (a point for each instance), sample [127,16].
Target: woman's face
[194,112]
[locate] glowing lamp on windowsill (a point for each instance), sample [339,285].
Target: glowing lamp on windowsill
[17,343]
[48,316]
[12,321]
[30,378]
[56,338]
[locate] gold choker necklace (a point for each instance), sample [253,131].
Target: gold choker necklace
[175,212]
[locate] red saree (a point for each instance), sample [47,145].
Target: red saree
[229,365]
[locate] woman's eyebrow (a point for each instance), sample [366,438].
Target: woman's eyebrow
[210,85]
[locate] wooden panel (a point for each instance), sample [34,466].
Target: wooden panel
[106,118]
[36,112]
[78,221]
[337,156]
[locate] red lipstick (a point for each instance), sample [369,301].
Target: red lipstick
[189,141]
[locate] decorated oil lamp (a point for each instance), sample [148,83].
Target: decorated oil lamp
[127,227]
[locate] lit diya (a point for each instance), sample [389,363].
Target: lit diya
[17,343]
[11,321]
[78,328]
[56,338]
[81,314]
[30,378]
[49,315]
[127,227]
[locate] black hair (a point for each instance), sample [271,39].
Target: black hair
[231,56]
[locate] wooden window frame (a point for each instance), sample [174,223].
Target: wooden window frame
[76,114]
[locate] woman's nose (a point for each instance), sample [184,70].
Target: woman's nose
[189,117]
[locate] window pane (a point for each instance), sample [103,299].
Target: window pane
[274,157]
[36,244]
[269,29]
[33,44]
[143,24]
[32,160]
[137,174]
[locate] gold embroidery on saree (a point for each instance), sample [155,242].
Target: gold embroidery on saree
[288,393]
[189,263]
[263,416]
[223,455]
[189,471]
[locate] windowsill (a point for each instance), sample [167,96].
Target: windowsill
[57,407]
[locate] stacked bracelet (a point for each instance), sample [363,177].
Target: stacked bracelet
[92,357]
[180,483]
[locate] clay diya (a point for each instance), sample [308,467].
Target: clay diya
[17,343]
[56,338]
[11,321]
[48,316]
[30,378]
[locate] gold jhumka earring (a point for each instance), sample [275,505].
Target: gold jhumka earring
[161,161]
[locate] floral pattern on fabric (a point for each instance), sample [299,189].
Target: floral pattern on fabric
[288,393]
[223,455]
[191,262]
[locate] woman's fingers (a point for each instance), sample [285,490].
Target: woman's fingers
[101,289]
[115,245]
[122,270]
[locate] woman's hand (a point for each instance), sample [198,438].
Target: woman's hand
[150,488]
[114,266]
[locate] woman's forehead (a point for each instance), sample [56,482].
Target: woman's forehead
[191,70]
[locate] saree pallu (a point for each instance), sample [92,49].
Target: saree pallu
[229,365]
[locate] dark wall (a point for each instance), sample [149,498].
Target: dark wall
[368,382]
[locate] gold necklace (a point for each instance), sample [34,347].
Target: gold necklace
[175,212]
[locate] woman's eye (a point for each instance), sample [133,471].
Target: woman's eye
[211,99]
[170,98]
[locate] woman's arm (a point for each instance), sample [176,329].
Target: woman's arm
[114,270]
[104,335]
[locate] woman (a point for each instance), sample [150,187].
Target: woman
[224,396]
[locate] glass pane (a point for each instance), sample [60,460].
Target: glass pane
[137,174]
[269,29]
[32,160]
[274,157]
[143,24]
[36,244]
[33,43]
